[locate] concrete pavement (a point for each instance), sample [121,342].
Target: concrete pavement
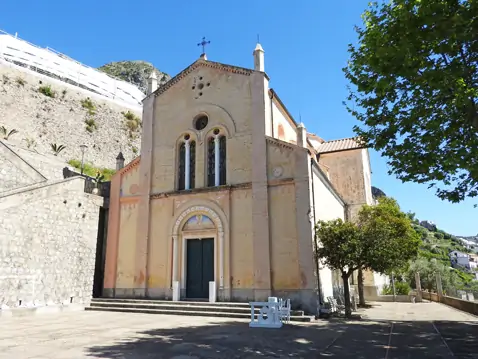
[388,330]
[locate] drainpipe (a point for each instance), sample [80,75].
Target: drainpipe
[319,294]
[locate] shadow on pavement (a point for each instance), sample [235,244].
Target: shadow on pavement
[227,340]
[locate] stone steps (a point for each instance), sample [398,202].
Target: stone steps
[206,309]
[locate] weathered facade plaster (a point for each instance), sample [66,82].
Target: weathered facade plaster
[261,221]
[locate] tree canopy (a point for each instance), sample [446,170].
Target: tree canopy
[414,89]
[382,239]
[390,240]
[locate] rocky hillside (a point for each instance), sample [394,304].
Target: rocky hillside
[135,72]
[43,115]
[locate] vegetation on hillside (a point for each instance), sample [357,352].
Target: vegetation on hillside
[134,72]
[434,257]
[92,171]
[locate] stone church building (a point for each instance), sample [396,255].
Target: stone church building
[224,196]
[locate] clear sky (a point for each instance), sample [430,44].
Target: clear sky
[305,45]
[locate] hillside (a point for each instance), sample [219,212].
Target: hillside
[437,244]
[44,112]
[135,72]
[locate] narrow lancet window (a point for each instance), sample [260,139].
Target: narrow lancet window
[182,167]
[187,164]
[216,159]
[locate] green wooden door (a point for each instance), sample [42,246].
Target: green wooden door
[199,267]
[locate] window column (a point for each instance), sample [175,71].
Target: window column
[216,161]
[187,179]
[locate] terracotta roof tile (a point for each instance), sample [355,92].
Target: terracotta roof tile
[339,145]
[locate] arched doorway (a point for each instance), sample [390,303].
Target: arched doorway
[198,252]
[198,269]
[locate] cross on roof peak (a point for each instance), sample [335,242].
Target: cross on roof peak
[203,43]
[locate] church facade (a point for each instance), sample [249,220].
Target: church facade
[223,198]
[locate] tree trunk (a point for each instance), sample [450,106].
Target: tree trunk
[348,305]
[360,288]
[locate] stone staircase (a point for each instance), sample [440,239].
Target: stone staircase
[203,309]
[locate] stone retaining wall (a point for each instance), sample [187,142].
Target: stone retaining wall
[48,236]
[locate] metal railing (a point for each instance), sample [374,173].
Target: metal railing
[90,183]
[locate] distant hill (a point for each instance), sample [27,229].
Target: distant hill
[437,244]
[135,72]
[377,192]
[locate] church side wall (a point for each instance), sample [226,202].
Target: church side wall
[346,172]
[48,237]
[327,207]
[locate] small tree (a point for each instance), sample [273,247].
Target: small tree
[340,247]
[389,239]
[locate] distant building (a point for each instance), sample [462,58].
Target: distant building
[464,260]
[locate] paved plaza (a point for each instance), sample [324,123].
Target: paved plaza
[388,330]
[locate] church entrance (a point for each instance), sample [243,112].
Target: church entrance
[199,267]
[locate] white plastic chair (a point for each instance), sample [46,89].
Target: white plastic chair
[284,310]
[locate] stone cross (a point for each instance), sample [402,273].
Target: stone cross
[203,43]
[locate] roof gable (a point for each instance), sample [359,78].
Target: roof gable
[198,64]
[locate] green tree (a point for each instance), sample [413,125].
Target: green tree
[414,78]
[428,270]
[382,240]
[389,239]
[340,247]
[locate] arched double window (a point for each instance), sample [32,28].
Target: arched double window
[187,163]
[216,159]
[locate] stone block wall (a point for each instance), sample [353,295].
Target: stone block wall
[14,171]
[48,237]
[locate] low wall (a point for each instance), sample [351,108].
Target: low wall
[389,298]
[464,305]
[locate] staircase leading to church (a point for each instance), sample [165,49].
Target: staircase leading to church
[203,309]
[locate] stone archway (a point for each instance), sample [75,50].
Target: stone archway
[177,235]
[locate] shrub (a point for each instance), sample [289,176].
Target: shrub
[89,106]
[30,142]
[57,148]
[5,79]
[133,122]
[6,134]
[20,81]
[91,124]
[401,288]
[439,235]
[47,91]
[92,171]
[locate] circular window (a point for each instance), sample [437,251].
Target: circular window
[187,137]
[200,122]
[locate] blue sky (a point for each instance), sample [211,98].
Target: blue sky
[305,49]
